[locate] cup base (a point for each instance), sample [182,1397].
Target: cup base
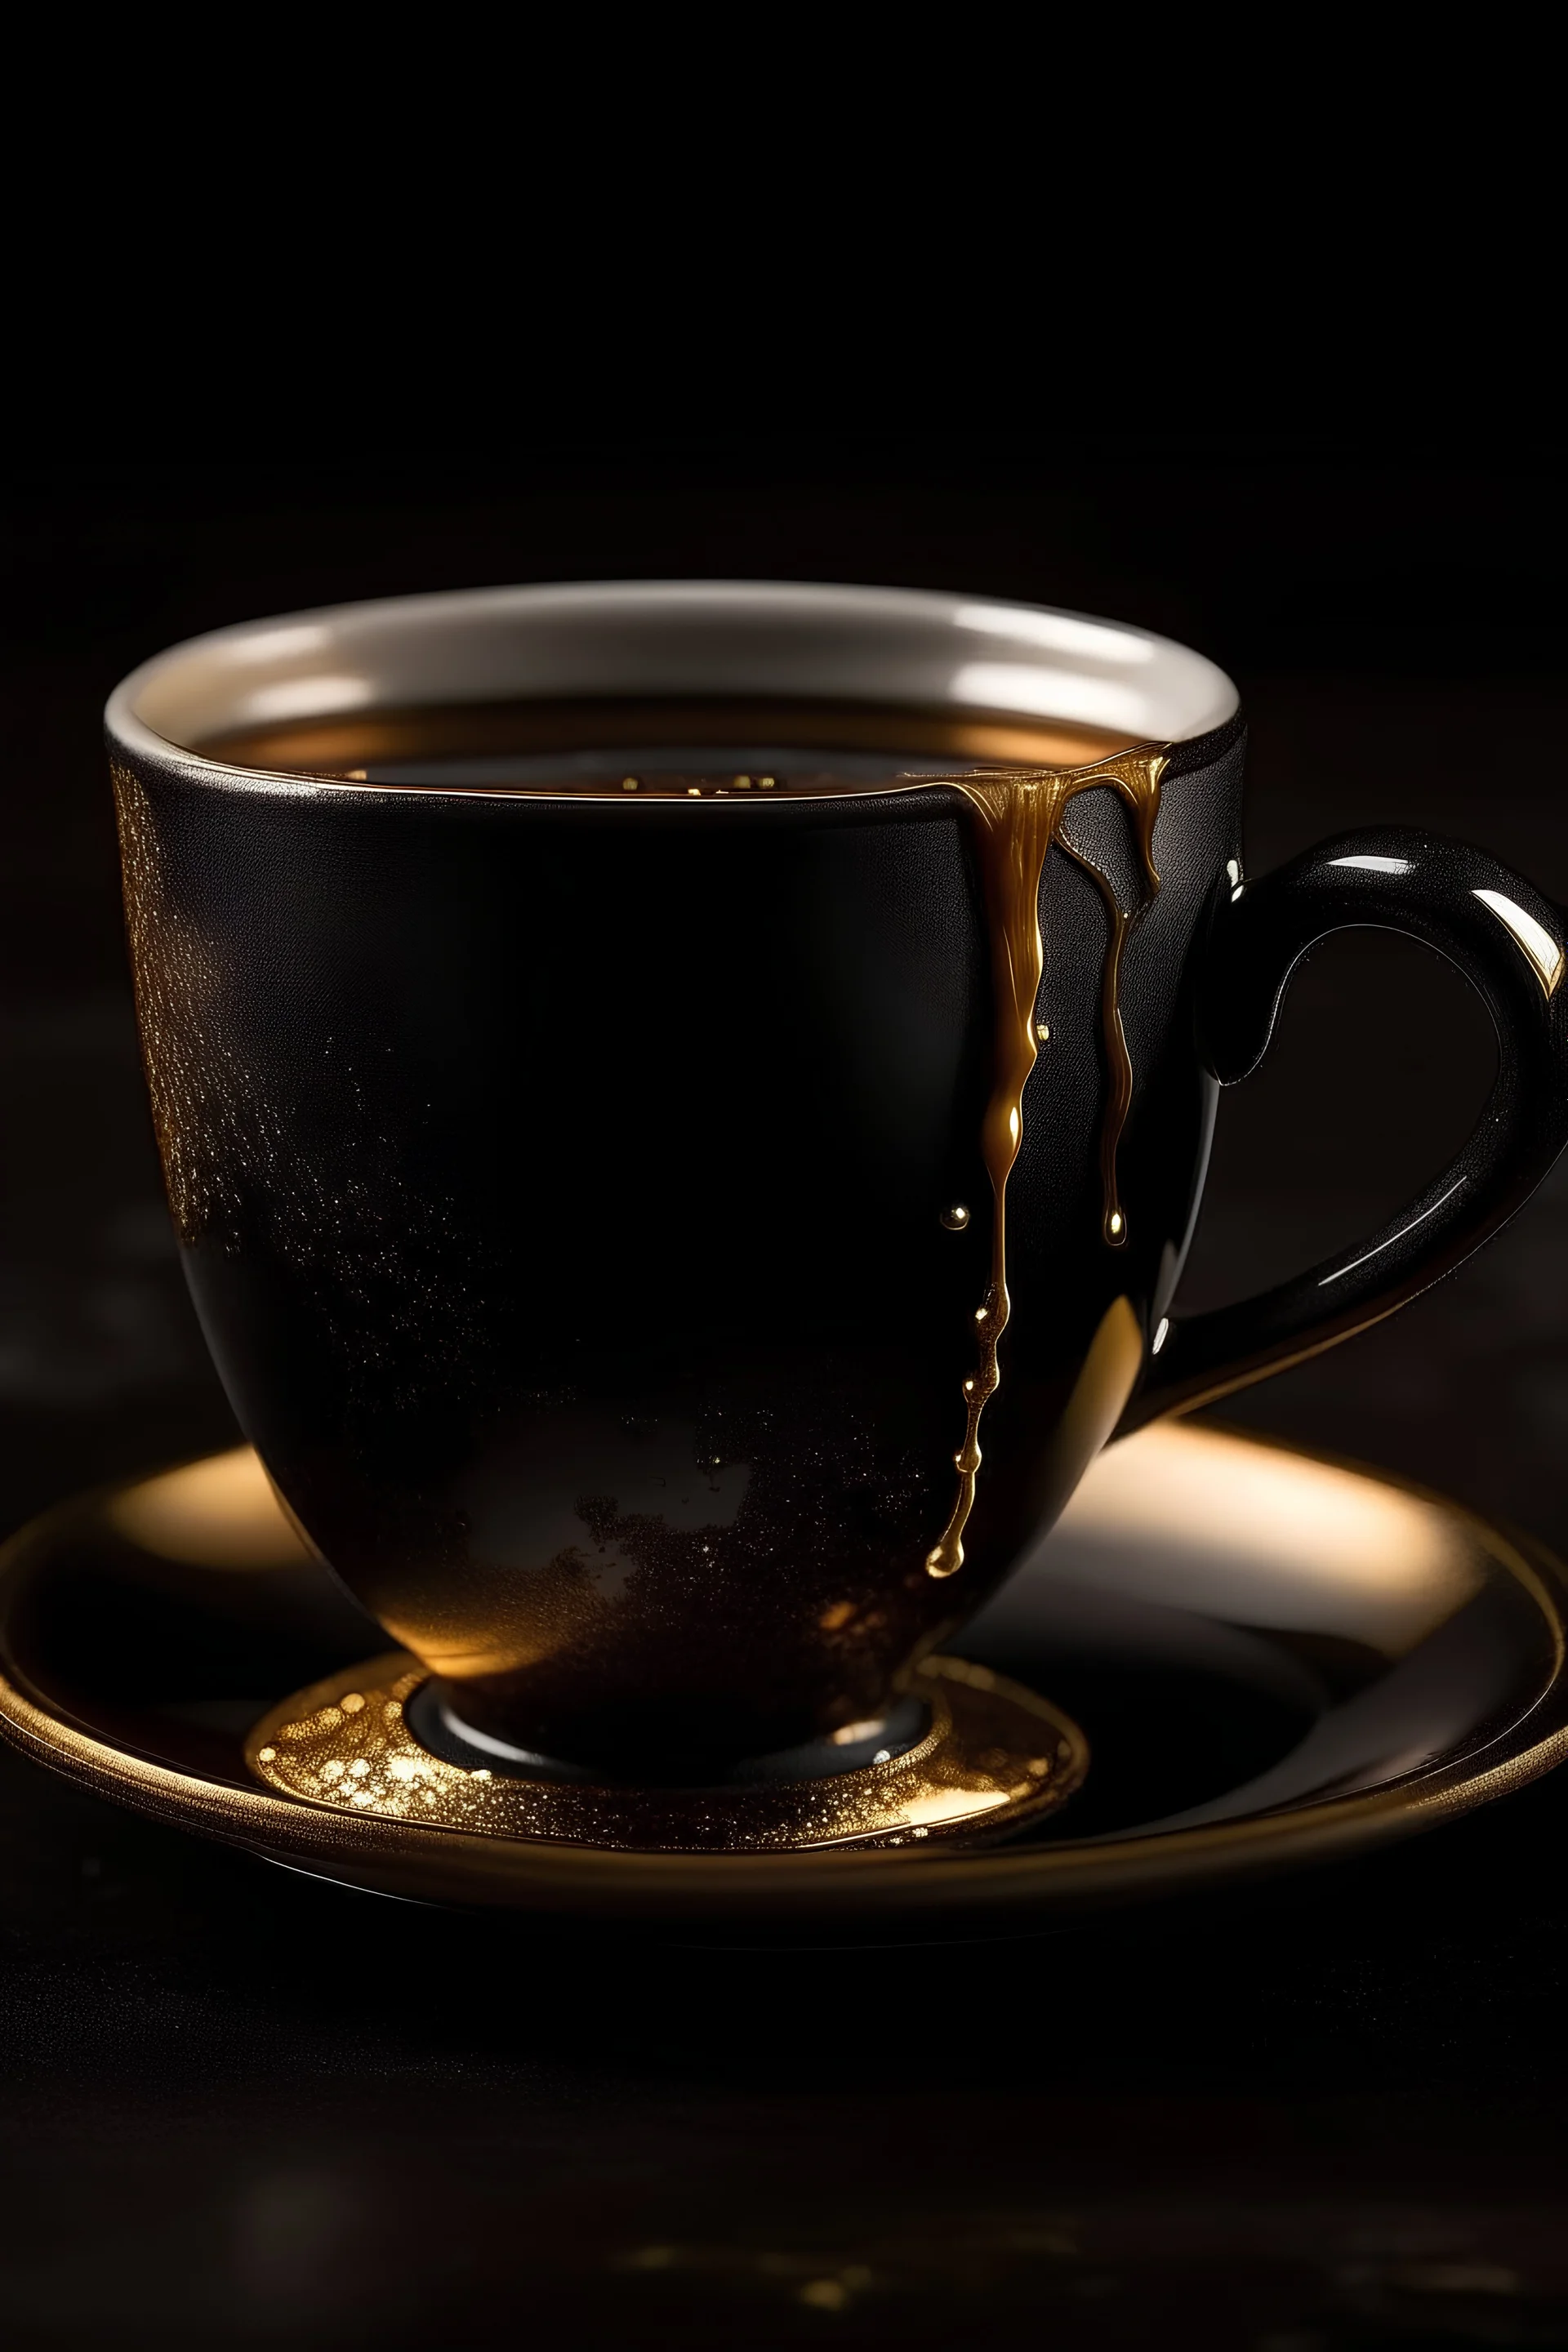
[435,1719]
[969,1754]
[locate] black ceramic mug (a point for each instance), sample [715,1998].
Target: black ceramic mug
[594,1037]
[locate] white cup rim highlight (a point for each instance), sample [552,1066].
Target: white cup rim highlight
[897,646]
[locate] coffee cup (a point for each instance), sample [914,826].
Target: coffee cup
[684,1107]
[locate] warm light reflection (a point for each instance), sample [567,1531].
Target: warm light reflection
[305,697]
[1051,694]
[293,642]
[221,1513]
[1542,951]
[942,1805]
[1061,632]
[1345,1552]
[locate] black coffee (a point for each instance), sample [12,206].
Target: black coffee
[675,749]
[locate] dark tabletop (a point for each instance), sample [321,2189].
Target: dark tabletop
[242,2108]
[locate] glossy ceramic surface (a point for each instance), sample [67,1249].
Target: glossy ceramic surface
[593,1204]
[1276,1659]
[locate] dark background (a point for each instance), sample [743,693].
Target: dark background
[244,2108]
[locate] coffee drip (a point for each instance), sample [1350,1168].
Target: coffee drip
[1017,816]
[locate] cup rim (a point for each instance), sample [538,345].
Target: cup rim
[966,655]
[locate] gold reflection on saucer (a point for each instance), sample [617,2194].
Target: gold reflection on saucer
[1348,1554]
[221,1513]
[993,1758]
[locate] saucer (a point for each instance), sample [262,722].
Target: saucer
[1275,1658]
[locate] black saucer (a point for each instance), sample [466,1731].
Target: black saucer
[1274,1658]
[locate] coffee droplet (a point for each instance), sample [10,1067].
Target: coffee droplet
[955,1216]
[628,783]
[1043,1032]
[742,783]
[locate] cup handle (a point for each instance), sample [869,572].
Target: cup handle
[1508,941]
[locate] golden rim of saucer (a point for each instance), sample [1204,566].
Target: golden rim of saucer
[994,1757]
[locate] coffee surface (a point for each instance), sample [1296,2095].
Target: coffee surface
[712,748]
